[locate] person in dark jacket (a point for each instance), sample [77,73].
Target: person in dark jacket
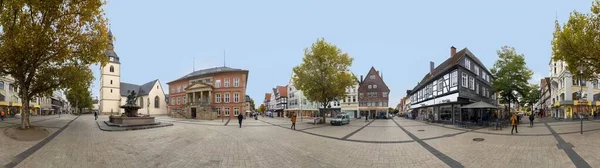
[96,115]
[531,120]
[240,118]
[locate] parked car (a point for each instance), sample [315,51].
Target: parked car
[382,116]
[340,119]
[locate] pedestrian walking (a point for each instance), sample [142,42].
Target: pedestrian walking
[514,122]
[366,118]
[531,120]
[95,115]
[293,122]
[240,118]
[2,115]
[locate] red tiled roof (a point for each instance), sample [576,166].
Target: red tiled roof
[267,96]
[282,91]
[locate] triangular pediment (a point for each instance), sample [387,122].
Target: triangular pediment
[198,85]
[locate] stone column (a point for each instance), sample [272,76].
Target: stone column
[202,96]
[210,100]
[194,96]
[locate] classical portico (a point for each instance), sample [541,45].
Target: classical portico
[199,102]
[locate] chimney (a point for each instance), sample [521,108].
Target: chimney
[361,78]
[431,66]
[452,51]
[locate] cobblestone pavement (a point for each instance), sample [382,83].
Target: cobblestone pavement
[268,142]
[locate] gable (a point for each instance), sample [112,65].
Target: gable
[374,78]
[198,85]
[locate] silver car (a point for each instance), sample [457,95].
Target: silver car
[340,119]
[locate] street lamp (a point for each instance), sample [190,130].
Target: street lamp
[581,97]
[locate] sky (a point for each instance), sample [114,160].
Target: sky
[158,40]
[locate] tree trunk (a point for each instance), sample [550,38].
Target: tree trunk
[322,113]
[25,124]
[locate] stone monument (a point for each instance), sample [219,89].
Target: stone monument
[130,117]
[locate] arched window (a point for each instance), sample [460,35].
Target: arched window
[112,69]
[156,102]
[142,102]
[111,82]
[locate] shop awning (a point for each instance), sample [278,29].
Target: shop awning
[3,103]
[480,105]
[16,104]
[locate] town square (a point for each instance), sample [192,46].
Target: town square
[107,83]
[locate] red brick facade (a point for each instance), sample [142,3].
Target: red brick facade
[230,81]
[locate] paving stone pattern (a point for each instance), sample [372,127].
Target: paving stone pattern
[269,142]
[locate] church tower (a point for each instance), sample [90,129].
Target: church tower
[110,81]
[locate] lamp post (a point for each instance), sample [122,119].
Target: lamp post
[148,106]
[581,97]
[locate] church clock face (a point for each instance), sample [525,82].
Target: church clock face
[112,59]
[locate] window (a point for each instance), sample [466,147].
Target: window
[156,86]
[218,83]
[110,90]
[173,90]
[184,99]
[218,111]
[477,88]
[111,82]
[227,111]
[476,70]
[236,111]
[353,98]
[374,94]
[374,86]
[464,80]
[370,86]
[156,102]
[440,84]
[372,77]
[226,98]
[172,101]
[178,89]
[142,102]
[454,78]
[184,86]
[112,69]
[361,95]
[226,82]
[236,97]
[218,97]
[178,100]
[467,63]
[385,94]
[471,83]
[236,82]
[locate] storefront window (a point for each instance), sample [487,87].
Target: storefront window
[446,113]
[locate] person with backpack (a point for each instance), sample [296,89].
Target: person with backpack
[293,122]
[531,120]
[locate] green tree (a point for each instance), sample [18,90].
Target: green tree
[80,98]
[262,108]
[252,105]
[49,45]
[324,73]
[532,96]
[577,43]
[511,75]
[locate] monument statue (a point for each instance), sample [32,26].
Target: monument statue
[131,98]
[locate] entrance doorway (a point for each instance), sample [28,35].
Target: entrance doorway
[193,112]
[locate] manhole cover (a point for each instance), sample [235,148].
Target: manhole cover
[420,130]
[478,139]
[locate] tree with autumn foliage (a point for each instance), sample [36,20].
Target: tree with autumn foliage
[577,43]
[48,45]
[324,73]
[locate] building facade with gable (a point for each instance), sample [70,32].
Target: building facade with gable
[444,92]
[219,90]
[373,95]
